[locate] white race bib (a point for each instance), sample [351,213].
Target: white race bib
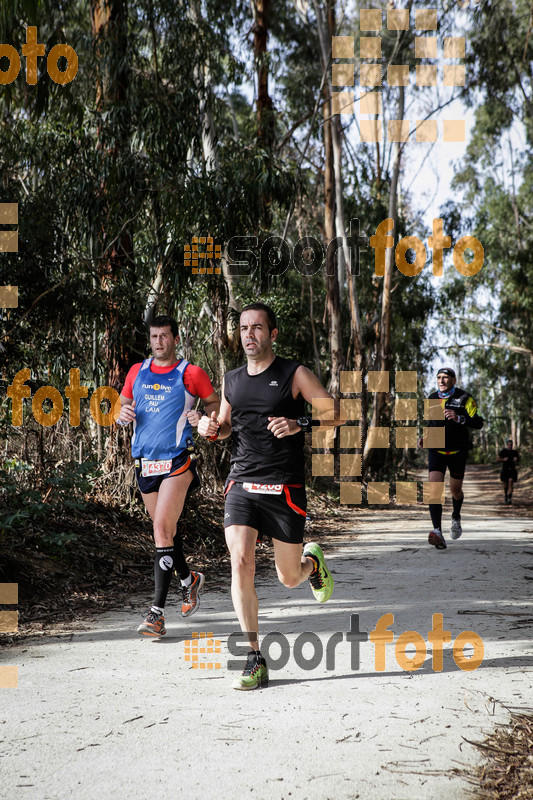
[155,467]
[263,488]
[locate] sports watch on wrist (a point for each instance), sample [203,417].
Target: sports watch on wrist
[306,423]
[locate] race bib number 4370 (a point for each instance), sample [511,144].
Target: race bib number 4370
[155,467]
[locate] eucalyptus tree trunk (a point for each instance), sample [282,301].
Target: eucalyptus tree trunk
[384,340]
[116,266]
[109,30]
[333,304]
[222,299]
[265,114]
[333,201]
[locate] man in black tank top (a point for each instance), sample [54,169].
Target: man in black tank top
[262,408]
[460,415]
[509,458]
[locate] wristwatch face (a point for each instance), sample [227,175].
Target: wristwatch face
[304,423]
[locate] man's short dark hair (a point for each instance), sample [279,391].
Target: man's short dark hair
[162,321]
[271,317]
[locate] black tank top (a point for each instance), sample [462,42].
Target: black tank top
[257,455]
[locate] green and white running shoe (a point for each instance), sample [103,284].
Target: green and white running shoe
[255,673]
[320,579]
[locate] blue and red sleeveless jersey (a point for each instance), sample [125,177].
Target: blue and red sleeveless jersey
[161,428]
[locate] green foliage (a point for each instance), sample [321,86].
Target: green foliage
[29,501]
[491,314]
[112,179]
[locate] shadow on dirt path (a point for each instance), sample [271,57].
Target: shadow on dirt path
[100,712]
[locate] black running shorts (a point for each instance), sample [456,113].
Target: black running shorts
[509,473]
[280,516]
[181,463]
[456,463]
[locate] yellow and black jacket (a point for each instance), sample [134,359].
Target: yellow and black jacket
[456,433]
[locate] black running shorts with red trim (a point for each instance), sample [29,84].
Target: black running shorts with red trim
[180,463]
[456,463]
[280,516]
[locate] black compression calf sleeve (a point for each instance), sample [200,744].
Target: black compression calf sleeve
[457,507]
[180,563]
[435,509]
[163,564]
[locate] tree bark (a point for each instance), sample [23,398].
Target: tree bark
[333,305]
[109,30]
[265,112]
[384,351]
[333,205]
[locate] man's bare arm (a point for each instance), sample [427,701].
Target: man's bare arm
[306,383]
[217,421]
[211,403]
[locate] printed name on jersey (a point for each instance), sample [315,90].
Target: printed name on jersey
[263,488]
[155,467]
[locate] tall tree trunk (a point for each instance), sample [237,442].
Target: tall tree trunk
[265,111]
[384,351]
[266,133]
[109,29]
[333,211]
[325,32]
[333,305]
[225,334]
[265,115]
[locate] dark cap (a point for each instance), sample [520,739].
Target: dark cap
[446,371]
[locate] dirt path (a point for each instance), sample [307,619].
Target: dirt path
[103,713]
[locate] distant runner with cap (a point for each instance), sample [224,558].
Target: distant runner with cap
[263,406]
[509,476]
[158,397]
[460,414]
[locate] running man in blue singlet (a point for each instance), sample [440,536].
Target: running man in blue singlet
[262,408]
[158,397]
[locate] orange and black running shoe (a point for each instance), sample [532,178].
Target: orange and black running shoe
[191,594]
[153,625]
